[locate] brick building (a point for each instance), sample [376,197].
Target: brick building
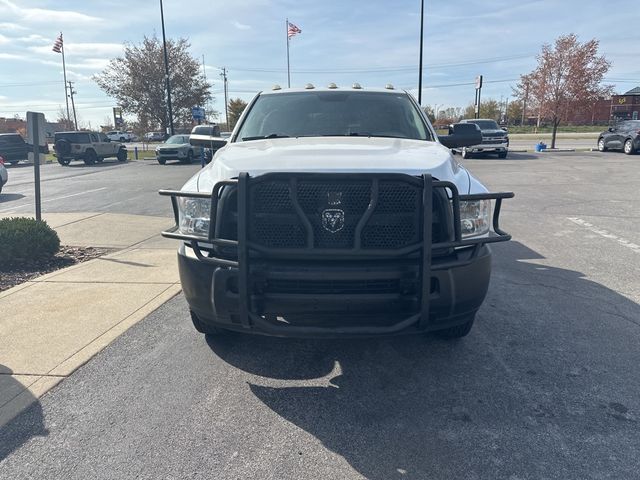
[626,106]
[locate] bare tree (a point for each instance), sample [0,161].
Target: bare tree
[137,81]
[568,78]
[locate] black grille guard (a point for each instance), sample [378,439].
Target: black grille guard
[426,246]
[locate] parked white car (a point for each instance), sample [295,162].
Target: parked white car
[120,136]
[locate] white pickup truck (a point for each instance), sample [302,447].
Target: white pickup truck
[120,136]
[336,211]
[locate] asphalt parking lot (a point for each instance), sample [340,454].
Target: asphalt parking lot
[545,386]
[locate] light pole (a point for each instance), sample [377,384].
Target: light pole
[421,37]
[166,71]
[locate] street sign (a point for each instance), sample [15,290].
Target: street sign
[37,139]
[478,82]
[197,113]
[118,121]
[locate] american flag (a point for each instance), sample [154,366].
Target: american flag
[57,46]
[292,30]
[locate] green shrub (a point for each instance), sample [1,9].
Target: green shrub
[23,239]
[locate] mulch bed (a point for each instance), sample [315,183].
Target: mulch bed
[15,274]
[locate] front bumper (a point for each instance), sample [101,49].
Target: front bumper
[174,155]
[310,292]
[455,294]
[489,147]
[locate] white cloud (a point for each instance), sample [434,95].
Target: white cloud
[71,48]
[241,26]
[3,40]
[12,27]
[46,16]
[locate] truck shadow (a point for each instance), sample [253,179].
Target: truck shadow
[10,197]
[532,392]
[29,423]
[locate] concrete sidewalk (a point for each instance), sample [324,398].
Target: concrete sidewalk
[52,325]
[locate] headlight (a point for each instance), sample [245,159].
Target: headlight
[194,216]
[474,217]
[157,150]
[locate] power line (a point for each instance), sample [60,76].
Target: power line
[399,68]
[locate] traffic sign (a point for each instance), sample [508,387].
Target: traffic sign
[197,113]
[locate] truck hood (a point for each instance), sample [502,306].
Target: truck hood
[331,155]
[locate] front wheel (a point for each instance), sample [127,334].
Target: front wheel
[458,331]
[502,155]
[465,153]
[601,146]
[90,157]
[161,161]
[64,161]
[122,155]
[203,327]
[628,147]
[121,139]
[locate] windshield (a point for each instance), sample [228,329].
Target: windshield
[177,139]
[339,113]
[75,137]
[11,139]
[485,124]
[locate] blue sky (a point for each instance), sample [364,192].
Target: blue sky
[372,42]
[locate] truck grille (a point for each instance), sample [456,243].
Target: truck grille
[308,213]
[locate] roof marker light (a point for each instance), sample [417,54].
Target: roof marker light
[356,86]
[388,86]
[309,86]
[276,87]
[332,85]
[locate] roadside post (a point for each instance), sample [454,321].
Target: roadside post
[135,152]
[478,91]
[36,138]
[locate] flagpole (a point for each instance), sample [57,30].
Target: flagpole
[288,71]
[64,74]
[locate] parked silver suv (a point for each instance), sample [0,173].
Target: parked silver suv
[91,147]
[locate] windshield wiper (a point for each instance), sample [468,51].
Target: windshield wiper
[262,137]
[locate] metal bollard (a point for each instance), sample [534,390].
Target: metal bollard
[135,152]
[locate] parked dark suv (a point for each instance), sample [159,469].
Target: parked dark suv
[624,136]
[13,147]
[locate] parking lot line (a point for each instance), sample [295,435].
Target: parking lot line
[605,234]
[52,199]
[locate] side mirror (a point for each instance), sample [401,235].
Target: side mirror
[505,129]
[462,135]
[611,129]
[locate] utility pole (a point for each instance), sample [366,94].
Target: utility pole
[204,73]
[421,42]
[223,75]
[524,103]
[72,92]
[166,72]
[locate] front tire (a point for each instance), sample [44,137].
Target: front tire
[64,161]
[189,158]
[121,139]
[161,161]
[122,155]
[203,327]
[458,331]
[465,153]
[90,157]
[502,155]
[628,147]
[601,145]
